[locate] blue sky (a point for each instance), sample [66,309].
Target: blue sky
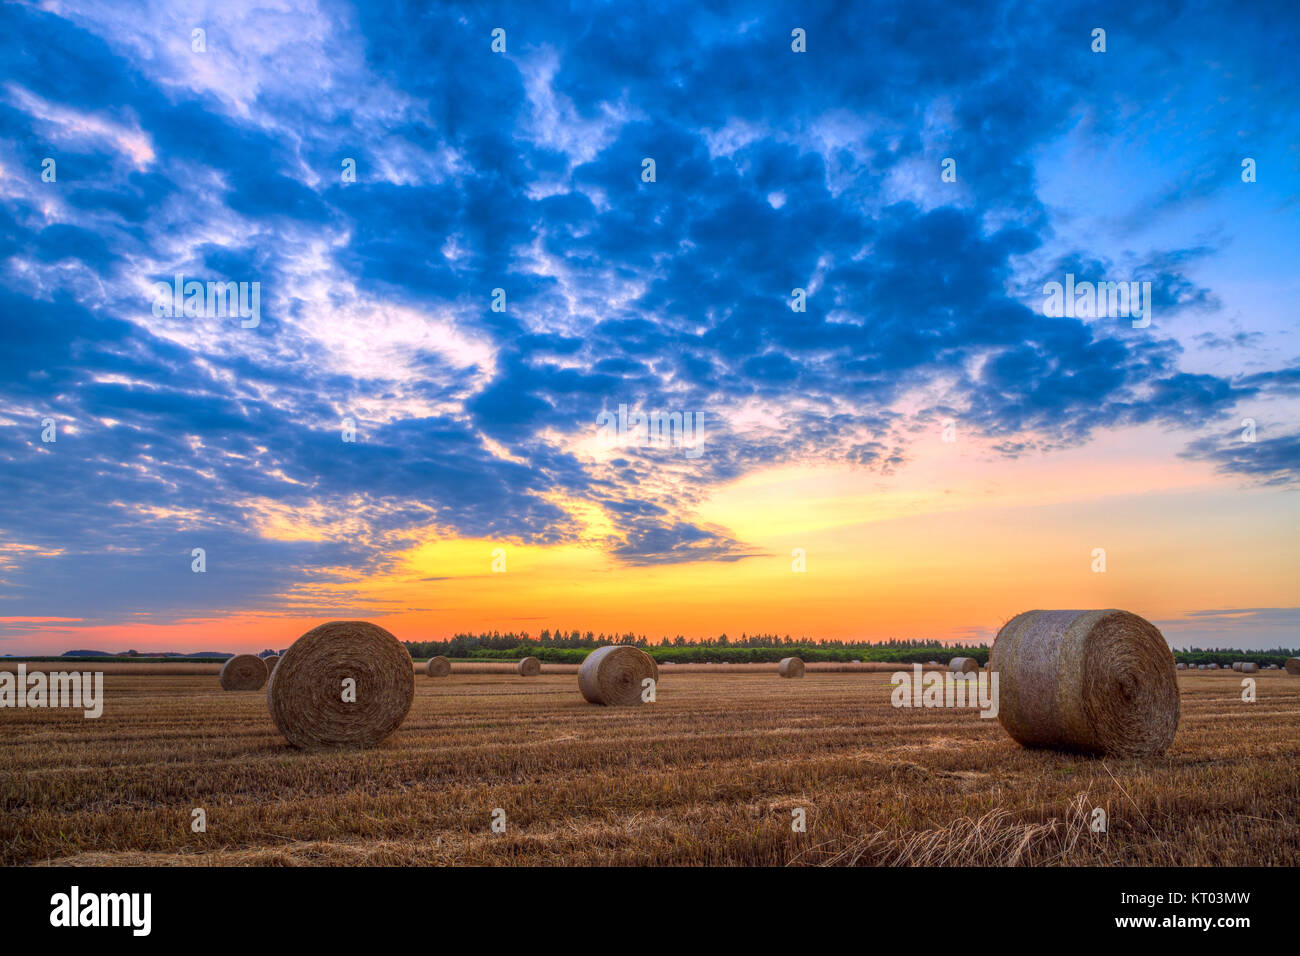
[522,171]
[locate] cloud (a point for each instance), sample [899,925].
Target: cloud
[523,172]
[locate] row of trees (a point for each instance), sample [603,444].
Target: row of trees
[572,646]
[497,644]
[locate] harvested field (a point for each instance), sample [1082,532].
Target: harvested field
[709,774]
[469,667]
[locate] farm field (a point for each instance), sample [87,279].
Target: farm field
[709,774]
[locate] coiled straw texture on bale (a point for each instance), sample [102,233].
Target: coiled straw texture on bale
[1098,682]
[530,667]
[438,666]
[306,694]
[790,667]
[243,672]
[964,665]
[1249,667]
[613,675]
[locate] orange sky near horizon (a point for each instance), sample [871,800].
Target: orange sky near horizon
[950,547]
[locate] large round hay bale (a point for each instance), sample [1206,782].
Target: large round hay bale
[1248,667]
[614,675]
[530,667]
[1293,665]
[1099,682]
[270,660]
[1236,665]
[438,666]
[790,667]
[243,672]
[309,697]
[964,665]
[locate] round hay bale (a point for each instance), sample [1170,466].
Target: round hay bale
[1293,665]
[1211,667]
[1248,667]
[1098,682]
[613,675]
[530,667]
[306,694]
[438,666]
[1236,665]
[1182,666]
[243,672]
[790,667]
[270,660]
[964,665]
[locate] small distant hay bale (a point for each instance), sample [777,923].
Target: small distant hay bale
[270,660]
[1236,665]
[1248,667]
[1200,667]
[1211,667]
[932,663]
[790,667]
[613,676]
[530,667]
[243,672]
[438,666]
[964,665]
[306,694]
[1293,665]
[1182,666]
[1098,682]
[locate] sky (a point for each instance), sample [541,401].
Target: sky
[922,451]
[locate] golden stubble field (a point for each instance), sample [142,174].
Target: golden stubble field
[710,774]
